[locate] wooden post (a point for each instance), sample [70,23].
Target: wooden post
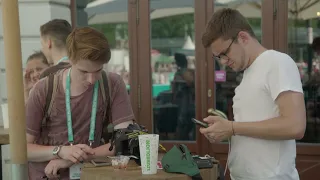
[275,27]
[73,12]
[204,69]
[16,105]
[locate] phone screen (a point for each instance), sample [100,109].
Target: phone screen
[200,123]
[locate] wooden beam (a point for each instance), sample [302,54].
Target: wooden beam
[16,104]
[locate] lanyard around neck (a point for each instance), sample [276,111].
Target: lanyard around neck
[93,111]
[63,59]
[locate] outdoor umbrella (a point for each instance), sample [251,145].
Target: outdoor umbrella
[300,9]
[115,11]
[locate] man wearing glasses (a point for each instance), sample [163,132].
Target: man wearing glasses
[268,106]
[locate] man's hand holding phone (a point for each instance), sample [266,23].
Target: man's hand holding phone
[200,123]
[218,129]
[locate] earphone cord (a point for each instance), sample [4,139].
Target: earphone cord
[226,167]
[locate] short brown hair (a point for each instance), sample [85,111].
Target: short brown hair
[87,43]
[58,30]
[226,24]
[38,55]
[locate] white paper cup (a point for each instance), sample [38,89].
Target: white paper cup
[5,115]
[148,146]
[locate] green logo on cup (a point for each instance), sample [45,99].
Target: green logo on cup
[148,154]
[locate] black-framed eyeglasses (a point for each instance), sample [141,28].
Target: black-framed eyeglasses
[224,55]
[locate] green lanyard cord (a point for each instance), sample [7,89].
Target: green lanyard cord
[63,59]
[93,111]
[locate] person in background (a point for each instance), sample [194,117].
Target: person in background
[183,90]
[57,148]
[316,45]
[315,70]
[36,64]
[182,65]
[268,106]
[53,36]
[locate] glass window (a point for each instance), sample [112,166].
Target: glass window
[117,34]
[173,74]
[303,30]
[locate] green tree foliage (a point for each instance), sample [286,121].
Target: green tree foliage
[108,30]
[171,27]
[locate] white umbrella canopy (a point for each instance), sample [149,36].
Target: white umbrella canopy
[122,17]
[301,9]
[304,9]
[115,11]
[248,8]
[107,11]
[117,17]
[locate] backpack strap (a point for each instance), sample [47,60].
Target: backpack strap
[107,84]
[54,69]
[106,94]
[51,83]
[104,87]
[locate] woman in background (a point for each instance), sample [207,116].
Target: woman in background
[36,64]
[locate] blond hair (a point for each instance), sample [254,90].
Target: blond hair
[87,43]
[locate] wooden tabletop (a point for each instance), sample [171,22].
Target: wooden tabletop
[108,173]
[4,136]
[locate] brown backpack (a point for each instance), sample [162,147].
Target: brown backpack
[104,85]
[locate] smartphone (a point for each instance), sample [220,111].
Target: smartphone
[101,162]
[200,123]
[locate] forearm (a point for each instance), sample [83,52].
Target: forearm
[39,153]
[279,128]
[103,151]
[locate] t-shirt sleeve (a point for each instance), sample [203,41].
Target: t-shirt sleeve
[120,102]
[35,107]
[283,75]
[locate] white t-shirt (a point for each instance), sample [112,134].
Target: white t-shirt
[258,159]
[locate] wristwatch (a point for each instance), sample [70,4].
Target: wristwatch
[56,151]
